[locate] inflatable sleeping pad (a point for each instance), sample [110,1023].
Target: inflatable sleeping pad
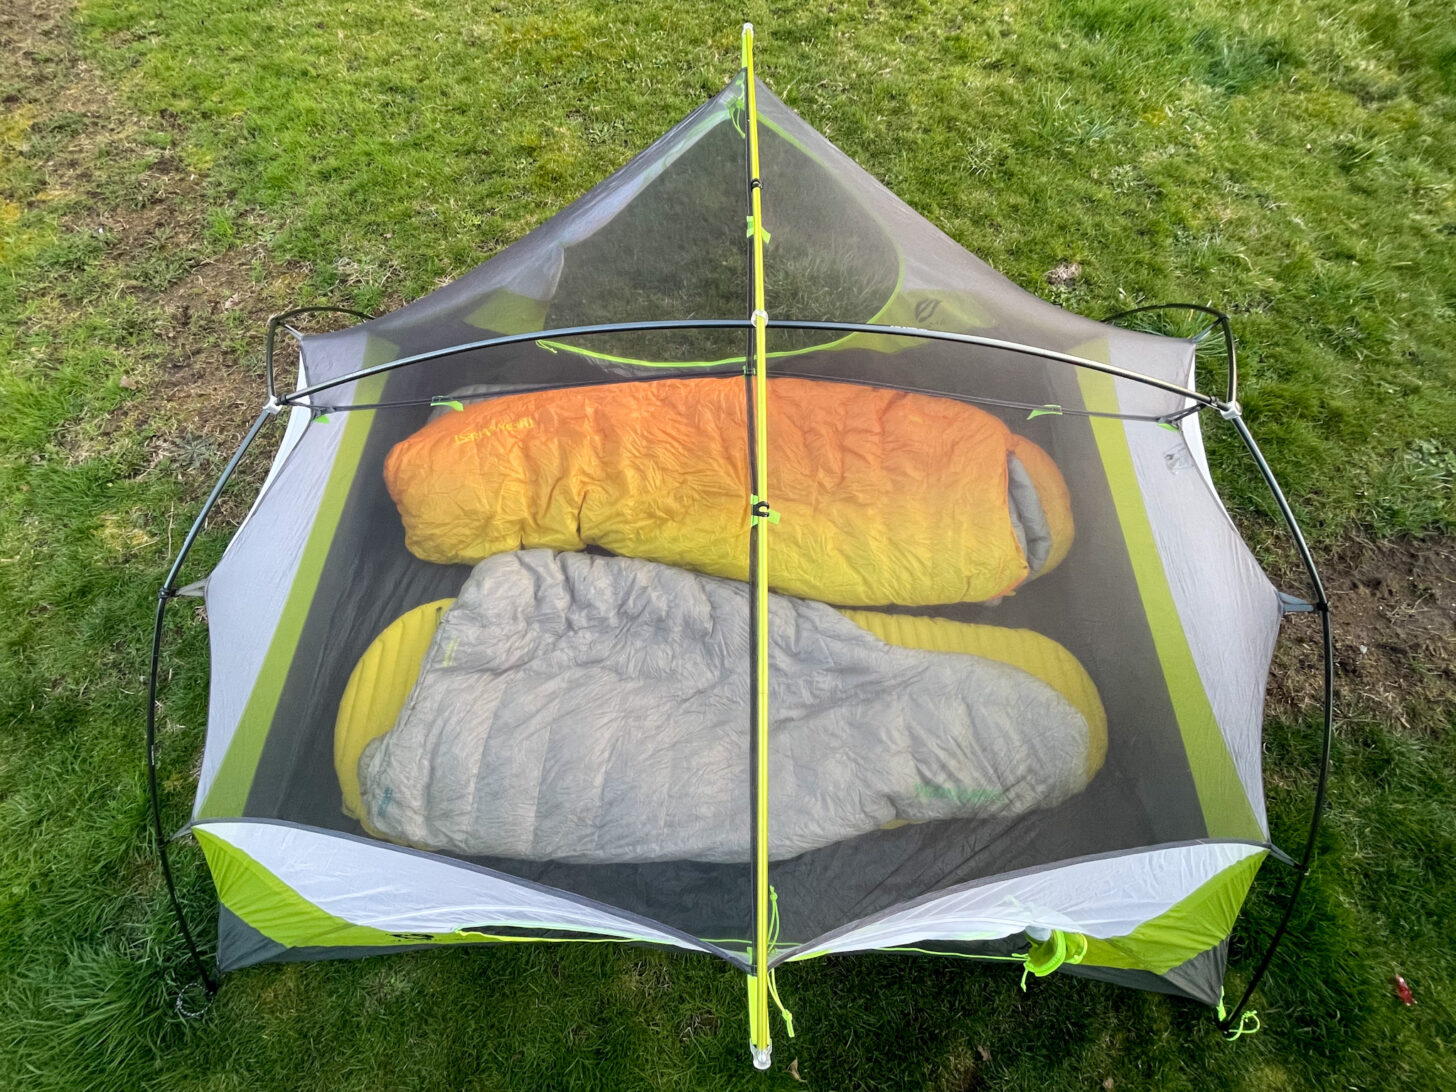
[581,708]
[884,497]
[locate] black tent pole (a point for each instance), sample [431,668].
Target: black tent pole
[166,594]
[299,396]
[1231,411]
[276,321]
[296,398]
[1220,319]
[209,983]
[1322,607]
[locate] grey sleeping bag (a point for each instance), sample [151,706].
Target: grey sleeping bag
[591,709]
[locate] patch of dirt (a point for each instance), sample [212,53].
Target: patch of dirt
[32,35]
[117,176]
[701,1024]
[1393,606]
[1064,274]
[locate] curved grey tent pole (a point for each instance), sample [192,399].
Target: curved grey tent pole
[1220,320]
[997,343]
[168,591]
[276,321]
[296,397]
[165,595]
[1322,607]
[1230,410]
[703,373]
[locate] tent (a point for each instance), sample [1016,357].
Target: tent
[735,564]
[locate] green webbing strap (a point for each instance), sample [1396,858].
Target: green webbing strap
[766,235]
[1051,409]
[1047,955]
[447,403]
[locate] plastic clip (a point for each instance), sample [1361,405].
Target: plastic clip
[1047,955]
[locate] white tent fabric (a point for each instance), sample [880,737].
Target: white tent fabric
[1105,897]
[404,891]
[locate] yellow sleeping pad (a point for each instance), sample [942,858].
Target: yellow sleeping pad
[378,687]
[1024,648]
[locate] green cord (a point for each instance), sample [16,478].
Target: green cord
[773,936]
[1248,1025]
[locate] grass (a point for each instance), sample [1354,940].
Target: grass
[169,174]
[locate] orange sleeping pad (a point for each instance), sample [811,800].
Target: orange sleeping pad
[882,497]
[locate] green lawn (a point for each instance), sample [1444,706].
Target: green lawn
[172,173]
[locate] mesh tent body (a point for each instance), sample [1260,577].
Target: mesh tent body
[627,315]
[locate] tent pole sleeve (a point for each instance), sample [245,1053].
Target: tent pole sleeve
[165,594]
[760,1040]
[1322,607]
[1220,319]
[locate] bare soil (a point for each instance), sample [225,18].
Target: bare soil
[1393,606]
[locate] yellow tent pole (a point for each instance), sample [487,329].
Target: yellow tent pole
[760,513]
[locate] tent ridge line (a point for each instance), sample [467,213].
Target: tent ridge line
[702,373]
